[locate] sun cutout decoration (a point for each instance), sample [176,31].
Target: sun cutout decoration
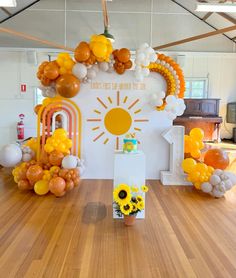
[117,120]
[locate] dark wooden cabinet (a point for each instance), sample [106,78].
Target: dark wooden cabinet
[202,107]
[202,113]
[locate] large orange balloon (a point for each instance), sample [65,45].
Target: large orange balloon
[123,55]
[82,52]
[51,71]
[37,108]
[57,186]
[67,85]
[216,158]
[55,158]
[34,173]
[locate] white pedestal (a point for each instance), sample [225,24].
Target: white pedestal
[130,169]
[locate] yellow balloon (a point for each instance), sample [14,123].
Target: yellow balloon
[194,176]
[41,187]
[189,165]
[197,185]
[197,133]
[210,169]
[196,153]
[100,50]
[48,148]
[201,167]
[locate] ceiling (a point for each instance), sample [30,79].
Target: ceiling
[132,22]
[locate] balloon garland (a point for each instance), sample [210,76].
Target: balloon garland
[173,75]
[207,175]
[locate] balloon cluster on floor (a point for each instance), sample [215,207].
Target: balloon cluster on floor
[207,175]
[56,171]
[65,75]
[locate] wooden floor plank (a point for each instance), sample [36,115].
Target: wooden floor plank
[185,234]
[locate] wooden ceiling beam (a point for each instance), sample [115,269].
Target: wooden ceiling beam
[6,11]
[228,17]
[198,37]
[206,16]
[35,39]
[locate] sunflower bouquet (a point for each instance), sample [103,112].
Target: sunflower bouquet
[129,200]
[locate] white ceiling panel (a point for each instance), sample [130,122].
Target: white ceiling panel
[81,27]
[167,7]
[176,29]
[50,4]
[115,5]
[45,25]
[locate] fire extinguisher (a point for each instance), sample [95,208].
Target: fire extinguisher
[21,128]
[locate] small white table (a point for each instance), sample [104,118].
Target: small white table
[129,168]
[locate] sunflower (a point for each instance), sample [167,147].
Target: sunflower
[134,189]
[126,209]
[122,194]
[139,198]
[135,208]
[140,205]
[144,188]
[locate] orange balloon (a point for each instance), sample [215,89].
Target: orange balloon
[123,55]
[45,81]
[37,108]
[67,85]
[57,186]
[55,158]
[23,185]
[128,65]
[34,174]
[82,52]
[51,71]
[69,185]
[216,158]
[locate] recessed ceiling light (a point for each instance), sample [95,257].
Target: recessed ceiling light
[7,3]
[207,7]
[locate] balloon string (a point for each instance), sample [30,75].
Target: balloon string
[32,38]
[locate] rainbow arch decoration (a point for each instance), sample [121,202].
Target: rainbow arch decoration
[72,120]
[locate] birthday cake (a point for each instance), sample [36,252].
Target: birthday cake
[130,144]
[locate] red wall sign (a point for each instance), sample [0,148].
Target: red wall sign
[23,88]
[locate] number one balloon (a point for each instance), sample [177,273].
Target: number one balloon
[175,176]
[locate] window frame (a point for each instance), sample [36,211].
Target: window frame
[191,80]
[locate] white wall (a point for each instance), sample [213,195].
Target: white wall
[14,70]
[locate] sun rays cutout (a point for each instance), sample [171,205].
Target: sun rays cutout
[119,116]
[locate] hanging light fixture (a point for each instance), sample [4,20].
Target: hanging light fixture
[7,3]
[226,6]
[106,22]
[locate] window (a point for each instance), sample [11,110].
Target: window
[38,96]
[196,88]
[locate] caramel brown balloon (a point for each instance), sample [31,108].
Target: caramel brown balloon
[123,55]
[82,52]
[67,85]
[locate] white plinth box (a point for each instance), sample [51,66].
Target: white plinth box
[130,169]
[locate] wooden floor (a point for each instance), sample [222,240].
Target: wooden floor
[185,234]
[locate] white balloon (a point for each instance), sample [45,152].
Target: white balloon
[153,57]
[170,99]
[228,184]
[222,187]
[217,193]
[214,179]
[104,66]
[218,172]
[140,56]
[79,70]
[145,71]
[206,187]
[91,74]
[10,155]
[69,162]
[26,157]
